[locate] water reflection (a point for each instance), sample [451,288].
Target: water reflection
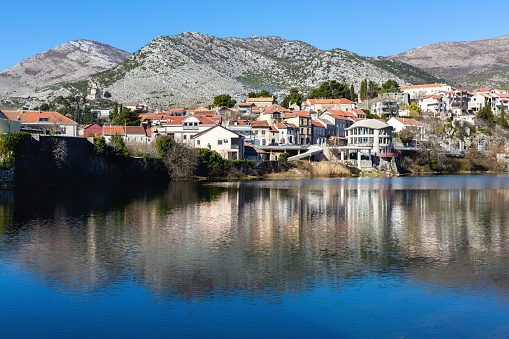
[189,240]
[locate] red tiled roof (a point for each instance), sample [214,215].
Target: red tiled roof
[247,144]
[409,121]
[329,101]
[262,123]
[341,113]
[317,124]
[35,117]
[270,99]
[420,86]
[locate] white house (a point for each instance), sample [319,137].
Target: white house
[419,91]
[225,142]
[372,133]
[398,124]
[183,128]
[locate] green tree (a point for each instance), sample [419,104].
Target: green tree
[390,86]
[211,164]
[364,89]
[353,97]
[128,117]
[503,121]
[485,113]
[372,89]
[293,97]
[224,100]
[262,94]
[117,141]
[330,90]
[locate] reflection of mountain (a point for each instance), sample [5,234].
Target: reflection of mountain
[193,240]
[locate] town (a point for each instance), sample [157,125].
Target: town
[366,131]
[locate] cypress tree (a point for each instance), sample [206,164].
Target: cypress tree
[364,89]
[503,121]
[352,93]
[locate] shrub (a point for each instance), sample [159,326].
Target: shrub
[8,145]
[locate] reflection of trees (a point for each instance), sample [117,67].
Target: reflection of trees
[193,239]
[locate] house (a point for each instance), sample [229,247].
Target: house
[401,98]
[301,119]
[228,144]
[419,128]
[93,129]
[7,125]
[272,117]
[478,100]
[224,112]
[261,102]
[44,122]
[387,108]
[359,113]
[288,133]
[419,91]
[434,103]
[245,108]
[371,133]
[242,127]
[262,135]
[131,134]
[328,104]
[134,107]
[318,133]
[252,152]
[183,128]
[336,122]
[101,113]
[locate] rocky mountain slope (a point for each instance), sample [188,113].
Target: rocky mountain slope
[483,63]
[72,61]
[189,69]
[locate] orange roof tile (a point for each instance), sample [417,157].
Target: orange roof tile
[38,117]
[421,86]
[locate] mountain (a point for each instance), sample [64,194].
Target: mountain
[191,68]
[470,64]
[69,62]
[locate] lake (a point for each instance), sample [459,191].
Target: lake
[400,257]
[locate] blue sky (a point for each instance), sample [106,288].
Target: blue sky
[368,28]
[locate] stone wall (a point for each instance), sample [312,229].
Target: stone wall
[58,159]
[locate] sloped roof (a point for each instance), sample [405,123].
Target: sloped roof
[260,99]
[38,117]
[421,86]
[258,123]
[369,123]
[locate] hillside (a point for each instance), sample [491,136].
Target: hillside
[470,64]
[189,69]
[72,61]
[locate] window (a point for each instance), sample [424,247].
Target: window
[197,141]
[219,141]
[225,141]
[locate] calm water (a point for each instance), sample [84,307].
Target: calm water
[348,258]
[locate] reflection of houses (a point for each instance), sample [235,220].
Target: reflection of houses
[398,124]
[371,133]
[227,143]
[44,123]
